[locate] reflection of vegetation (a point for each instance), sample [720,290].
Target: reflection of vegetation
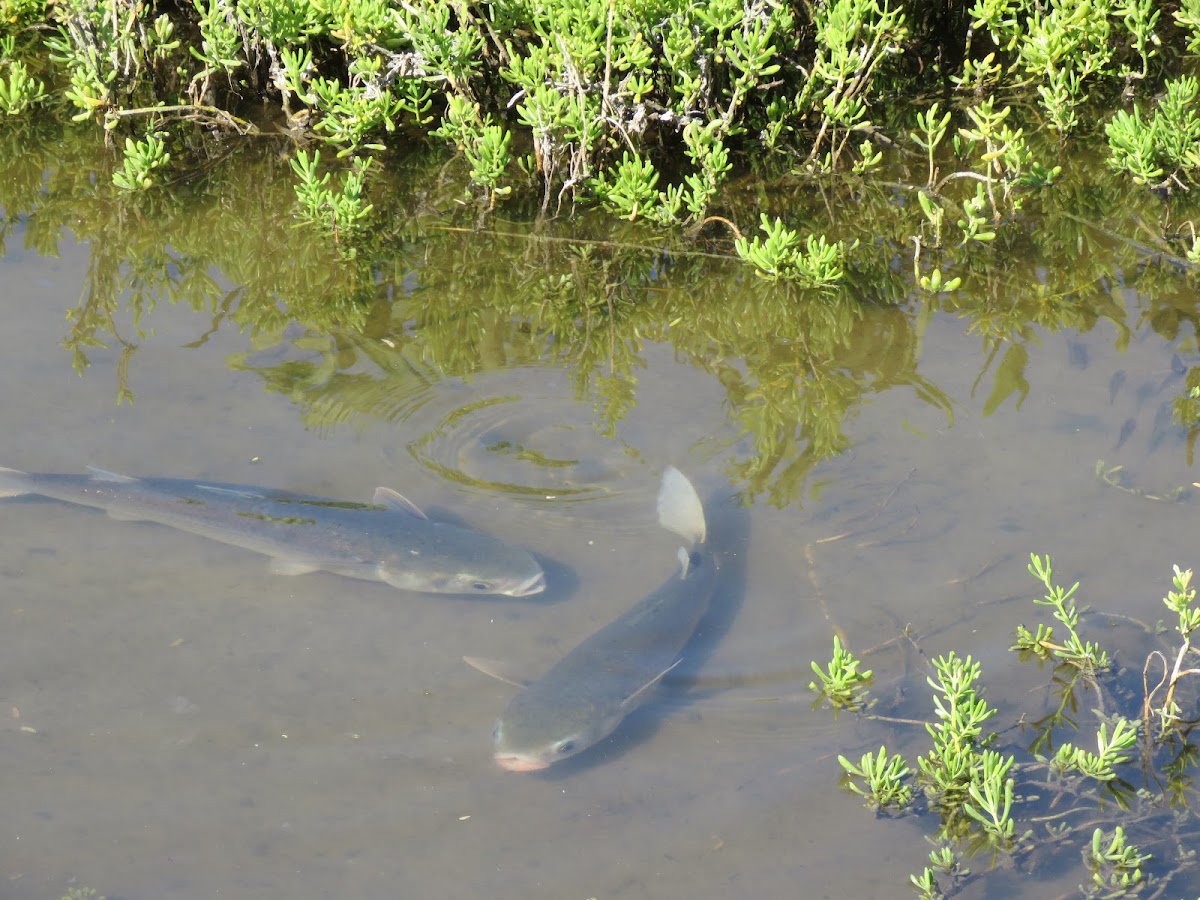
[1028,805]
[355,337]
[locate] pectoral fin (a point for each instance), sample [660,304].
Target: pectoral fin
[685,562]
[385,496]
[633,699]
[101,475]
[13,483]
[495,668]
[283,566]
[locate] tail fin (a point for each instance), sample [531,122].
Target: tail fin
[679,507]
[13,483]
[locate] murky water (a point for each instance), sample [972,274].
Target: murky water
[179,722]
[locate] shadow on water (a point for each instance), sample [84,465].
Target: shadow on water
[728,534]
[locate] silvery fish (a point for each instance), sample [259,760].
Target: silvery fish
[583,698]
[388,540]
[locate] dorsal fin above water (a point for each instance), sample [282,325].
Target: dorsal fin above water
[385,496]
[679,507]
[685,561]
[102,475]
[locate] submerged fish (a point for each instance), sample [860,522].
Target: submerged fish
[389,540]
[583,698]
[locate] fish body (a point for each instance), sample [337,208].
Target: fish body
[389,540]
[583,697]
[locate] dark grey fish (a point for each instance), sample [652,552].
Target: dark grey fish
[1126,430]
[1177,373]
[583,698]
[1115,384]
[1164,424]
[388,540]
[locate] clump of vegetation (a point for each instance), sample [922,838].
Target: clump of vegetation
[644,107]
[1024,804]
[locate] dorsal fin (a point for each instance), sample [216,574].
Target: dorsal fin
[385,496]
[679,507]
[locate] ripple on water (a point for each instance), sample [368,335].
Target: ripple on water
[520,436]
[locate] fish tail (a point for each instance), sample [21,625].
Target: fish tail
[13,483]
[679,507]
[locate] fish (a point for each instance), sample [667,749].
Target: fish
[1126,430]
[584,697]
[389,540]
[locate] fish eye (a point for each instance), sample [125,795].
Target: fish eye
[481,585]
[564,747]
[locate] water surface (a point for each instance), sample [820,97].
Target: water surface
[178,722]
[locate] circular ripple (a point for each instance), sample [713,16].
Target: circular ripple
[534,446]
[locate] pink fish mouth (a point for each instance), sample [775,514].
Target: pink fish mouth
[514,762]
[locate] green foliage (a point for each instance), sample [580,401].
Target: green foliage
[1117,868]
[1163,149]
[220,47]
[485,145]
[883,777]
[633,191]
[584,296]
[1087,657]
[841,683]
[101,54]
[1187,16]
[933,130]
[142,158]
[353,114]
[943,861]
[594,99]
[1179,601]
[18,14]
[950,769]
[19,92]
[779,255]
[1112,752]
[340,212]
[853,39]
[1066,45]
[982,795]
[991,797]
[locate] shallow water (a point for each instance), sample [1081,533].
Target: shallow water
[178,722]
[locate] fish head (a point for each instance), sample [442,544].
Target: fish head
[460,561]
[536,734]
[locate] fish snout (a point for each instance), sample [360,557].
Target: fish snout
[515,762]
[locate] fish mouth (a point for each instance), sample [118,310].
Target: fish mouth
[534,585]
[515,762]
